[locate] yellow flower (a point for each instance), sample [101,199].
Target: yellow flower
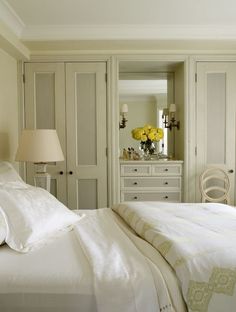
[147,129]
[152,136]
[144,138]
[147,133]
[137,133]
[160,133]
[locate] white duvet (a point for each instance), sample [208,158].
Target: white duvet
[99,266]
[198,241]
[123,279]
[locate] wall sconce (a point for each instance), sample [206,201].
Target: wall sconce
[168,117]
[123,111]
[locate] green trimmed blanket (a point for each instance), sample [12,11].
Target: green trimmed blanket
[199,243]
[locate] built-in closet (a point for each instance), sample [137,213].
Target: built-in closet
[81,99]
[71,98]
[216,119]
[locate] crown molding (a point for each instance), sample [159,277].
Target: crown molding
[112,32]
[11,19]
[128,32]
[10,43]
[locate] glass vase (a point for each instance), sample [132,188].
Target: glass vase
[147,149]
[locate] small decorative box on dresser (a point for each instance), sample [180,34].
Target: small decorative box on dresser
[151,180]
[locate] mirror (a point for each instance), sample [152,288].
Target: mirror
[146,95]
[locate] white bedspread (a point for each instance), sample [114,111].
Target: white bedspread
[122,277]
[95,267]
[198,240]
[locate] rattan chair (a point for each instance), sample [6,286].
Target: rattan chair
[214,186]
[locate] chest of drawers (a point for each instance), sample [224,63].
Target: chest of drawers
[151,180]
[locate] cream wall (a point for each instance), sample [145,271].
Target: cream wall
[8,107]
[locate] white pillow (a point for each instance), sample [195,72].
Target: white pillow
[8,173]
[3,230]
[33,216]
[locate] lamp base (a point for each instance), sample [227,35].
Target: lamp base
[41,177]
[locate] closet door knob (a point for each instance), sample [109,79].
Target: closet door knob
[61,172]
[70,172]
[231,171]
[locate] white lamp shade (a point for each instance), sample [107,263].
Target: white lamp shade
[39,146]
[124,108]
[172,108]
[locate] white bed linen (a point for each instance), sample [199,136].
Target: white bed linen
[57,277]
[167,283]
[32,216]
[198,241]
[123,280]
[8,173]
[3,230]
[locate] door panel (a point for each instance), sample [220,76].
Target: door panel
[216,98]
[45,109]
[84,200]
[86,135]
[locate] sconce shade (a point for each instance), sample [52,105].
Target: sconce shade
[39,146]
[172,108]
[165,112]
[124,108]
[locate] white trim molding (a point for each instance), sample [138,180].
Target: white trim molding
[128,32]
[11,19]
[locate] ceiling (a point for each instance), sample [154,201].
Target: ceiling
[131,12]
[157,22]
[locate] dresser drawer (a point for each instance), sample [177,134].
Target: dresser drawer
[151,182]
[167,170]
[138,170]
[151,196]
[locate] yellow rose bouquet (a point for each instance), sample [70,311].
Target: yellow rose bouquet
[147,135]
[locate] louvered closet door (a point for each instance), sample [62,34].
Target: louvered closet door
[45,109]
[216,107]
[86,135]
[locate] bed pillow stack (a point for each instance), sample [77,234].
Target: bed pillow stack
[31,216]
[3,230]
[7,175]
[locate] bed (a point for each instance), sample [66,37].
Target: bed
[142,256]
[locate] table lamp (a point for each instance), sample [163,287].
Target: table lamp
[40,146]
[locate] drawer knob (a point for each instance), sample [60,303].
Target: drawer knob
[166,169]
[166,197]
[166,183]
[135,197]
[135,183]
[135,169]
[61,172]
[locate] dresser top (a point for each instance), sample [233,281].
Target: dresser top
[161,161]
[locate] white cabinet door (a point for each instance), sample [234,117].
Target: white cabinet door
[215,132]
[71,98]
[86,135]
[45,109]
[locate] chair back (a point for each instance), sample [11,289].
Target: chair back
[214,186]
